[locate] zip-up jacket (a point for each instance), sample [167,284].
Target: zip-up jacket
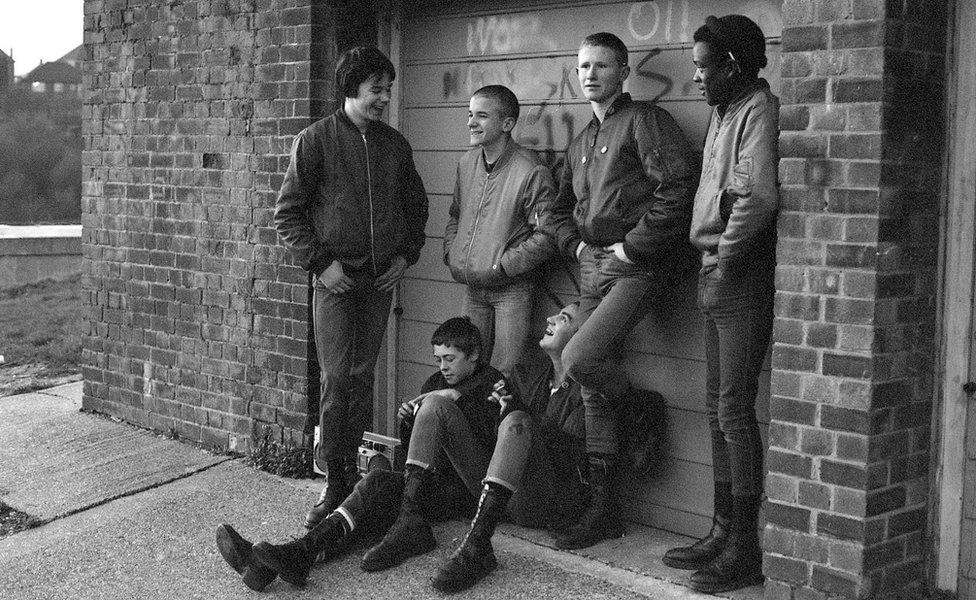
[351,197]
[482,415]
[628,179]
[492,235]
[735,208]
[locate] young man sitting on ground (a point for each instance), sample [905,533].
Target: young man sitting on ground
[486,440]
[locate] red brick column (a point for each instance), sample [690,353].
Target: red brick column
[860,146]
[197,316]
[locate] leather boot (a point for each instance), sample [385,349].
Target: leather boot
[705,550]
[337,487]
[475,558]
[410,535]
[740,563]
[600,521]
[293,561]
[237,552]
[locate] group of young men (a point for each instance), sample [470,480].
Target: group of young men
[352,208]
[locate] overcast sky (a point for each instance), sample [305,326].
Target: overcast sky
[39,30]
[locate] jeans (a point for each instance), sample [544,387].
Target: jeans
[738,310]
[614,297]
[503,315]
[349,330]
[441,436]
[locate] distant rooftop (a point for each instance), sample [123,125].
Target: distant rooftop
[53,72]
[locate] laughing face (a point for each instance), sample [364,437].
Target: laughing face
[487,126]
[560,327]
[371,100]
[601,75]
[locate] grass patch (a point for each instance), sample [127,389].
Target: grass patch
[13,521]
[285,460]
[43,323]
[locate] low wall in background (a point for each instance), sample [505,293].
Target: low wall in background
[31,253]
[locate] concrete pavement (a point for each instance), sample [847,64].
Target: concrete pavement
[131,514]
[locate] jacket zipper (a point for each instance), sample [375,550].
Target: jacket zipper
[369,190]
[474,230]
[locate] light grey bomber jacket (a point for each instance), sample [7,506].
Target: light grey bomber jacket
[734,217]
[492,236]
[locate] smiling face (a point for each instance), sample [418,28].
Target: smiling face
[487,127]
[454,364]
[713,74]
[601,75]
[560,328]
[370,101]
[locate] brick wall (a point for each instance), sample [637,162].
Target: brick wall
[197,317]
[862,128]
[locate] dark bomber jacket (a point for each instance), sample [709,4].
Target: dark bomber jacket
[351,197]
[629,179]
[492,234]
[483,415]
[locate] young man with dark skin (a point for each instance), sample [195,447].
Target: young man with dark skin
[464,415]
[623,211]
[734,227]
[491,242]
[352,210]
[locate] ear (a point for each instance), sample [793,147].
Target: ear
[625,73]
[475,356]
[508,124]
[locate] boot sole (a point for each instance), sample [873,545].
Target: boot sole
[422,548]
[719,587]
[452,586]
[686,565]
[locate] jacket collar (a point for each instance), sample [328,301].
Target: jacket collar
[343,118]
[622,101]
[740,100]
[503,158]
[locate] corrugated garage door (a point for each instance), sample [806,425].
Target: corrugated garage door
[447,52]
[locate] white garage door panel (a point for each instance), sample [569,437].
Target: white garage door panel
[539,127]
[449,49]
[551,80]
[560,28]
[437,169]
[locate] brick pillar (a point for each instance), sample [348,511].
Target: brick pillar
[862,130]
[198,321]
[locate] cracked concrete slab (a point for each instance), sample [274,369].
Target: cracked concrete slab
[55,460]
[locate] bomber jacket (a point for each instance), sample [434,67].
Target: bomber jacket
[734,219]
[492,235]
[351,196]
[628,179]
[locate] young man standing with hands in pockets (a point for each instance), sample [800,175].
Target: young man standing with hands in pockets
[352,209]
[734,227]
[492,242]
[623,211]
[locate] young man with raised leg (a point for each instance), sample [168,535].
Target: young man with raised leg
[623,211]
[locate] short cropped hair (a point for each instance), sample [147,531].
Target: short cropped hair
[608,40]
[460,333]
[737,35]
[356,65]
[503,96]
